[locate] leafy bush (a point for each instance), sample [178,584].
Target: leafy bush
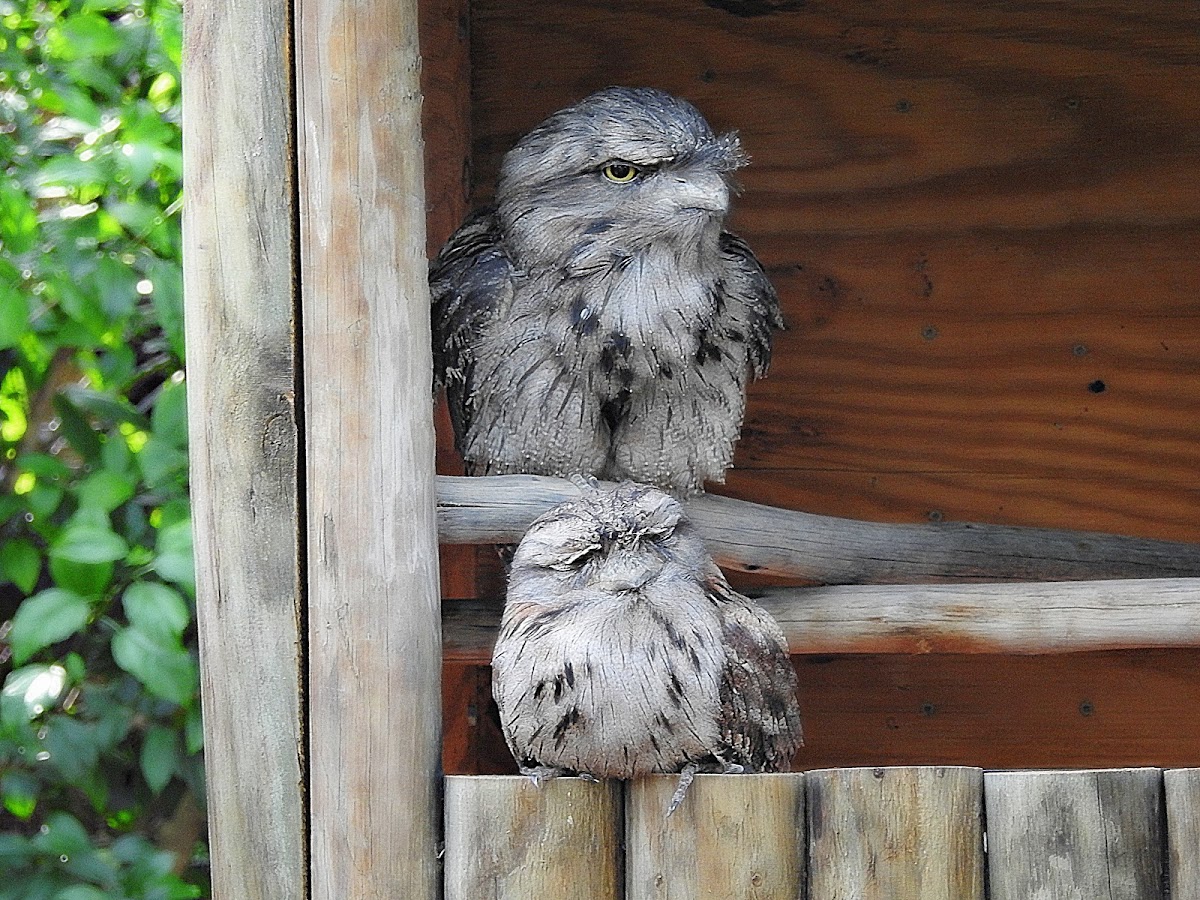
[100,768]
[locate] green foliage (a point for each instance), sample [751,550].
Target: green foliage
[99,710]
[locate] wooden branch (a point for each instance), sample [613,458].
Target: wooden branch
[965,618]
[750,537]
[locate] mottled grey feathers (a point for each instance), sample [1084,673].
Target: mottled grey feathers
[583,325]
[623,650]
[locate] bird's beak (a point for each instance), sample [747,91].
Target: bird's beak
[701,190]
[624,573]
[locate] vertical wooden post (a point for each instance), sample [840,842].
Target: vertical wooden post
[241,321]
[1094,835]
[734,836]
[1182,789]
[896,832]
[507,839]
[374,624]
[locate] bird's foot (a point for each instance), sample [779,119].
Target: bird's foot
[585,776]
[685,781]
[733,769]
[538,774]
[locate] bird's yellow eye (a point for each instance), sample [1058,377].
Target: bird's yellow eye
[619,172]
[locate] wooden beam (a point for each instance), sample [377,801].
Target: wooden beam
[1182,793]
[374,641]
[1048,617]
[750,537]
[239,288]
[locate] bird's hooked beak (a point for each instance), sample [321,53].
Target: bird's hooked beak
[625,572]
[702,190]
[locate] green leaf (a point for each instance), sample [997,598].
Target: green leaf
[18,221]
[14,316]
[82,892]
[115,454]
[76,429]
[105,490]
[169,418]
[15,852]
[84,34]
[175,560]
[30,691]
[157,610]
[20,563]
[160,756]
[89,544]
[71,745]
[44,619]
[194,730]
[161,463]
[168,301]
[166,670]
[20,792]
[85,579]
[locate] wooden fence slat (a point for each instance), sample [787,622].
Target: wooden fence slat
[732,837]
[239,287]
[374,625]
[507,839]
[1182,789]
[1082,835]
[896,832]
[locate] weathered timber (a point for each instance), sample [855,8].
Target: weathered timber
[373,635]
[880,833]
[508,839]
[1090,835]
[1049,617]
[1182,789]
[241,312]
[981,219]
[750,537]
[732,837]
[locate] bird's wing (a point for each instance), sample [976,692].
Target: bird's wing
[760,716]
[751,305]
[471,279]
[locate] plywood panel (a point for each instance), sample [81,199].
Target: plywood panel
[1118,708]
[982,221]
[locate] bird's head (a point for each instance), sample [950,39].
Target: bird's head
[620,170]
[614,540]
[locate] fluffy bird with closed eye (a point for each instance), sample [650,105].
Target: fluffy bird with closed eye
[623,651]
[598,319]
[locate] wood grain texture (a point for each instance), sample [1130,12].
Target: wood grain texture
[241,309]
[887,833]
[1182,790]
[507,839]
[374,641]
[446,128]
[981,220]
[783,543]
[1088,835]
[972,618]
[734,837]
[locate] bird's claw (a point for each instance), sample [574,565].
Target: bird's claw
[685,781]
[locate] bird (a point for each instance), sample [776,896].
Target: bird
[623,651]
[597,318]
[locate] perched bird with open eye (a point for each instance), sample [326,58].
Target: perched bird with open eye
[598,319]
[623,651]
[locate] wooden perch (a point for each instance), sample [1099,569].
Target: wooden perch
[750,537]
[944,618]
